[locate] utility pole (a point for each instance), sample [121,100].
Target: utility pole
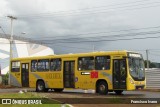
[147,59]
[11,41]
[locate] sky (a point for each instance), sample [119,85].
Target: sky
[74,26]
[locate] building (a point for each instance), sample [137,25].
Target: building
[21,47]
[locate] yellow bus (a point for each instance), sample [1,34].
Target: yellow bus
[102,71]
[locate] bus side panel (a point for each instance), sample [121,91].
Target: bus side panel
[107,75]
[87,79]
[51,79]
[54,79]
[32,80]
[89,82]
[15,79]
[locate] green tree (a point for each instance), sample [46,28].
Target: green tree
[151,64]
[5,79]
[145,63]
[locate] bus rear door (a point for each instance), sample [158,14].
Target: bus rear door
[25,74]
[69,74]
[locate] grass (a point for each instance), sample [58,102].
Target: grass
[19,95]
[49,102]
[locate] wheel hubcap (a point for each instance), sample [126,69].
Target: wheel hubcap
[102,87]
[40,87]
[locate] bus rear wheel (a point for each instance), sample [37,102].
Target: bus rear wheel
[40,87]
[58,90]
[118,92]
[103,88]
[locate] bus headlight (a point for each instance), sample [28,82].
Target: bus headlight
[131,81]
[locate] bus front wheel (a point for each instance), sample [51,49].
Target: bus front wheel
[103,88]
[40,86]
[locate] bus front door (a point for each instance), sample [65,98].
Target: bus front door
[68,74]
[119,74]
[25,74]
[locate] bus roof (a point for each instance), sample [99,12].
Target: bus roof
[77,54]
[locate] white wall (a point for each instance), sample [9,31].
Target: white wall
[20,49]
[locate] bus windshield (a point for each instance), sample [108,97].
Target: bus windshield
[136,68]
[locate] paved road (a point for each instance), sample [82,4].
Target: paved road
[90,93]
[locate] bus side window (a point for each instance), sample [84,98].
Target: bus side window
[55,64]
[15,66]
[102,62]
[43,65]
[85,63]
[33,65]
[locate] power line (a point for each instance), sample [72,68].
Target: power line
[150,37]
[57,13]
[100,40]
[101,37]
[120,35]
[102,12]
[83,8]
[71,47]
[110,39]
[154,50]
[4,33]
[95,33]
[43,14]
[149,0]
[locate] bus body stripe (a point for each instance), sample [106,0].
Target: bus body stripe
[109,76]
[14,81]
[39,77]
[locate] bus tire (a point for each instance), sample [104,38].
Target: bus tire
[40,86]
[118,92]
[102,88]
[58,90]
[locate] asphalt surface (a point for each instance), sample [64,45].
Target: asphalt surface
[78,93]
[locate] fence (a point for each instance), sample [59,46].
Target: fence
[153,78]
